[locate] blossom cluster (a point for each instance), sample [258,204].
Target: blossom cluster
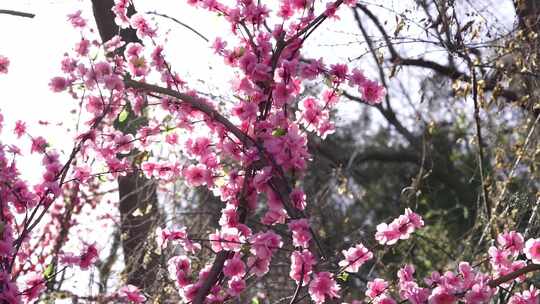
[399,229]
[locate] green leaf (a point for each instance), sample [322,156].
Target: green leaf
[344,276]
[48,272]
[123,115]
[255,300]
[102,178]
[279,132]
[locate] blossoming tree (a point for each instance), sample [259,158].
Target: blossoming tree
[252,154]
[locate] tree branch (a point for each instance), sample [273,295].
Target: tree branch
[17,13]
[451,72]
[505,278]
[195,103]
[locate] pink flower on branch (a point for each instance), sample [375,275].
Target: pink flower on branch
[355,257]
[4,64]
[532,250]
[323,286]
[138,22]
[400,228]
[131,294]
[76,20]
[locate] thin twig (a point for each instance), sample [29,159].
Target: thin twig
[181,23]
[486,199]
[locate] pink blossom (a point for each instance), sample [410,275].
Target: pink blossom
[532,250]
[414,219]
[200,147]
[229,216]
[258,266]
[399,228]
[10,293]
[113,44]
[138,66]
[219,45]
[511,241]
[442,295]
[498,257]
[357,78]
[120,11]
[6,240]
[176,234]
[372,92]
[236,286]
[387,234]
[102,69]
[196,175]
[300,232]
[301,262]
[264,244]
[131,293]
[133,49]
[339,71]
[158,59]
[323,285]
[234,267]
[94,105]
[20,128]
[530,296]
[285,10]
[479,293]
[68,64]
[330,97]
[58,84]
[384,299]
[123,142]
[76,20]
[245,110]
[144,29]
[281,94]
[181,266]
[35,285]
[405,274]
[229,238]
[331,10]
[298,198]
[376,288]
[88,257]
[4,64]
[190,291]
[312,69]
[82,47]
[38,145]
[355,257]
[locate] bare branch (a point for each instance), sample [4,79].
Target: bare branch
[180,23]
[17,13]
